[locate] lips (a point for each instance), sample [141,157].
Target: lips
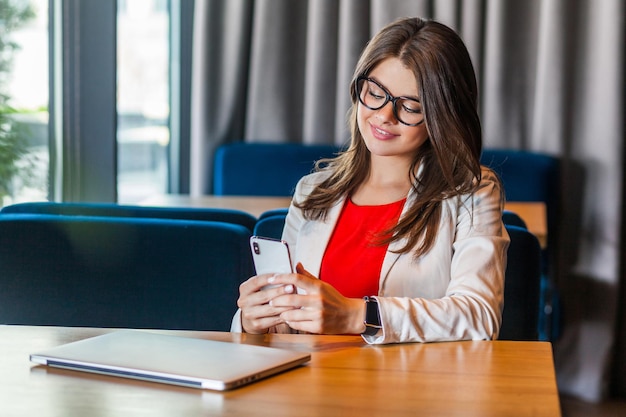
[381,134]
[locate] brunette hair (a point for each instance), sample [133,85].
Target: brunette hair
[448,161]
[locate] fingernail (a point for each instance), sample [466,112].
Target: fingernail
[289,288]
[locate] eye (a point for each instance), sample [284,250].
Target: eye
[411,107]
[376,96]
[375,93]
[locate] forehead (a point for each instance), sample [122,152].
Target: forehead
[395,77]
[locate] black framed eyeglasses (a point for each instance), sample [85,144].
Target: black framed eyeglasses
[374,96]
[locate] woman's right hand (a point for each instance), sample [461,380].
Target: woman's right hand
[255,295]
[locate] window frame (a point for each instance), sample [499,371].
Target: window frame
[83,114]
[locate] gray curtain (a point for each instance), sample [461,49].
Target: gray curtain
[551,74]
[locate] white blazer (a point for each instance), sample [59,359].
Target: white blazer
[453,292]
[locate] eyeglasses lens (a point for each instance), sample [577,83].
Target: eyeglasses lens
[373,96]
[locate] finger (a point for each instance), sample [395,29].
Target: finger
[295,301]
[282,298]
[302,320]
[299,314]
[264,311]
[303,283]
[300,270]
[256,320]
[252,284]
[264,295]
[256,283]
[306,326]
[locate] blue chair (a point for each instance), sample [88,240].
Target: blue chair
[520,317]
[274,212]
[270,226]
[264,169]
[118,210]
[513,219]
[533,176]
[121,272]
[526,176]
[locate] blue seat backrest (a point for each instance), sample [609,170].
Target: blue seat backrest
[512,218]
[274,212]
[534,176]
[264,169]
[121,272]
[119,210]
[270,226]
[528,176]
[520,317]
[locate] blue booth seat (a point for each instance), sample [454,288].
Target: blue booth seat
[535,176]
[264,169]
[522,287]
[121,272]
[119,210]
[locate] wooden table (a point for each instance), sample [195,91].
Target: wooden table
[345,377]
[533,213]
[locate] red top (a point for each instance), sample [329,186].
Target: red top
[353,261]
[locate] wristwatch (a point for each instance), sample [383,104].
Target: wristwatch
[372,317]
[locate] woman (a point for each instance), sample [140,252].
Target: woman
[404,228]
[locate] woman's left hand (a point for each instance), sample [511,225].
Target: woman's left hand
[320,308]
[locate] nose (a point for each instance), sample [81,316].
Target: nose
[385,113]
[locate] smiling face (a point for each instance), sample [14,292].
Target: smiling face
[384,135]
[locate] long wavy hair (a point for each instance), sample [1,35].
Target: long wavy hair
[448,161]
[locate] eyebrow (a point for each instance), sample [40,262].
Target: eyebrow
[387,90]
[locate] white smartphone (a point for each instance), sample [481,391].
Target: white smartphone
[270,255]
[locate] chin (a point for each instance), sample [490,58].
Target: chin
[381,147]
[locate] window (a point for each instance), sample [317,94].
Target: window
[101,75]
[24,156]
[143,135]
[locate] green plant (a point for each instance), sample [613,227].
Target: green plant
[13,148]
[13,142]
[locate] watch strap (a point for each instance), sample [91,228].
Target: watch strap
[372,316]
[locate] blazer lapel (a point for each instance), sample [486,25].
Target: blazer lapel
[314,238]
[392,256]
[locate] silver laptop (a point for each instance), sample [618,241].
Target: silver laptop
[174,360]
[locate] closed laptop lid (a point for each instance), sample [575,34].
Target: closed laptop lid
[174,360]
